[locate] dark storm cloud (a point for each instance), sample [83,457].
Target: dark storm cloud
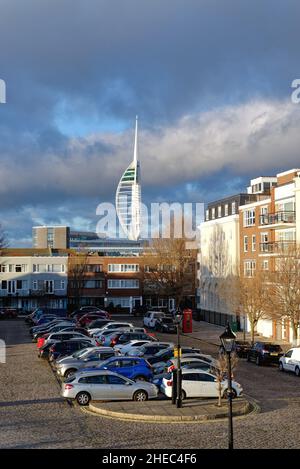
[210,80]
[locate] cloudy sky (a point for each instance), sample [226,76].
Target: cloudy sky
[209,79]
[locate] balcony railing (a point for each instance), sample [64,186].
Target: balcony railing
[277,217]
[276,247]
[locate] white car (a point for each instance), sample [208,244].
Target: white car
[291,361]
[109,326]
[133,345]
[151,317]
[196,383]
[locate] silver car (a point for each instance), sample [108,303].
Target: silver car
[106,385]
[93,357]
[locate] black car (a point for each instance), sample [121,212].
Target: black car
[264,352]
[98,323]
[242,348]
[166,324]
[65,348]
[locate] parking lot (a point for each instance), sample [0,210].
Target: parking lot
[33,415]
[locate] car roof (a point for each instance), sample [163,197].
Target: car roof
[190,370]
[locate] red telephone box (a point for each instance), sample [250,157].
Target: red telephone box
[187,322]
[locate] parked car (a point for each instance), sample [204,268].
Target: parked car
[149,349]
[98,323]
[166,324]
[132,367]
[125,349]
[110,326]
[165,355]
[290,361]
[65,348]
[108,336]
[151,318]
[106,385]
[264,353]
[89,309]
[8,313]
[94,357]
[87,318]
[242,347]
[196,383]
[43,352]
[60,336]
[185,361]
[123,337]
[50,329]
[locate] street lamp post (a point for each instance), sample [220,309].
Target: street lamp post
[228,340]
[178,381]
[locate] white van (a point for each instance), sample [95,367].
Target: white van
[291,361]
[151,317]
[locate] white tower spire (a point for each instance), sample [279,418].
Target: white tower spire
[128,195]
[135,152]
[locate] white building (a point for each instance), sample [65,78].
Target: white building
[28,281]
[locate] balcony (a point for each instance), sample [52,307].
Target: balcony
[276,247]
[278,219]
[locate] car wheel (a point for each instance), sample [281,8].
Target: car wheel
[183,395]
[140,378]
[297,371]
[83,398]
[258,361]
[69,372]
[281,366]
[140,396]
[233,394]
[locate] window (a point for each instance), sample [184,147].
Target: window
[245,243]
[35,285]
[219,211]
[213,213]
[93,284]
[123,268]
[62,284]
[265,265]
[249,217]
[4,285]
[233,208]
[120,283]
[96,268]
[207,215]
[18,268]
[42,268]
[253,242]
[226,210]
[19,284]
[4,268]
[249,268]
[124,302]
[112,379]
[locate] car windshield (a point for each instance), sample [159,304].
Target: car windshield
[272,347]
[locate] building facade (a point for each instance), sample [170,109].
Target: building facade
[30,278]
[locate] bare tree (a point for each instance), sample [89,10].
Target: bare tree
[249,296]
[285,288]
[222,370]
[3,241]
[169,268]
[78,265]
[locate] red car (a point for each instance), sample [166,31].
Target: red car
[89,317]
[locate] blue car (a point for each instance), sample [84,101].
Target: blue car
[131,367]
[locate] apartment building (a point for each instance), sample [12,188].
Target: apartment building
[219,250]
[33,277]
[106,281]
[267,228]
[54,237]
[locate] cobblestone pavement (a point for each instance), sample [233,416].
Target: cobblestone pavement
[32,414]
